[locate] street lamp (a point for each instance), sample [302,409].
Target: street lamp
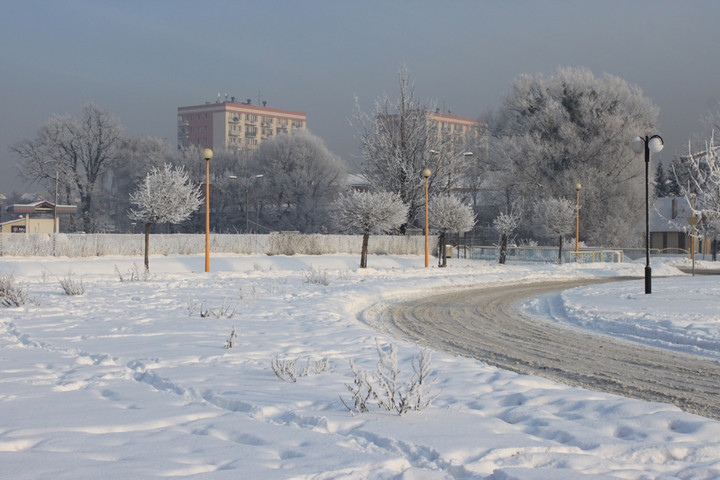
[247,204]
[647,144]
[207,155]
[577,218]
[426,174]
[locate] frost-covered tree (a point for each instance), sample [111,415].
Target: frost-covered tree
[572,127]
[165,195]
[449,215]
[504,225]
[396,147]
[136,157]
[369,213]
[701,187]
[555,217]
[301,179]
[78,150]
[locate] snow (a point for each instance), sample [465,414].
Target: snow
[128,380]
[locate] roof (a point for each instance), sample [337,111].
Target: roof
[41,207]
[665,218]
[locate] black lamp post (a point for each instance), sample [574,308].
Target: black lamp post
[647,144]
[207,155]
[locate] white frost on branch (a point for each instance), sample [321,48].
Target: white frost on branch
[370,212]
[165,196]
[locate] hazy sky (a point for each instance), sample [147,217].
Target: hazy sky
[140,60]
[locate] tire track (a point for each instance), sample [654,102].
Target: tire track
[486,324]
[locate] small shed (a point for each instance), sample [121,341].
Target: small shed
[669,226]
[45,217]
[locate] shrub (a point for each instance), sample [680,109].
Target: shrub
[72,287]
[230,342]
[386,388]
[285,369]
[11,295]
[316,277]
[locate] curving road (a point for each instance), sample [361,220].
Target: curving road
[486,324]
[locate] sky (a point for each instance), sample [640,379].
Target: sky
[141,60]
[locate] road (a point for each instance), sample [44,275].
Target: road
[486,324]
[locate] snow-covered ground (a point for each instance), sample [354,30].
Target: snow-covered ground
[128,380]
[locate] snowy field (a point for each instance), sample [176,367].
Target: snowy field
[130,381]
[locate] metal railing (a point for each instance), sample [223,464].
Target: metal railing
[537,254]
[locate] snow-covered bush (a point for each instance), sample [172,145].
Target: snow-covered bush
[285,369]
[316,277]
[386,387]
[223,311]
[71,286]
[135,274]
[11,295]
[230,342]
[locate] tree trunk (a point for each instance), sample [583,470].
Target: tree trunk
[560,252]
[363,252]
[442,262]
[503,248]
[147,246]
[85,205]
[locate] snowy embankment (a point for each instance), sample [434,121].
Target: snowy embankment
[132,379]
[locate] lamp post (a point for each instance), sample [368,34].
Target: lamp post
[207,155]
[247,204]
[577,218]
[426,174]
[647,144]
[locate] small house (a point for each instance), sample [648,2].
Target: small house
[38,217]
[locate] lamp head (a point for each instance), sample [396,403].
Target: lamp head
[655,144]
[578,187]
[207,154]
[426,172]
[637,144]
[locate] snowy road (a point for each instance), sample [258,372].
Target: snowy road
[486,324]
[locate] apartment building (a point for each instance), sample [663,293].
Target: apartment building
[231,125]
[458,132]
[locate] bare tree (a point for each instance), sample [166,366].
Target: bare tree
[554,217]
[165,195]
[449,215]
[396,146]
[78,149]
[368,213]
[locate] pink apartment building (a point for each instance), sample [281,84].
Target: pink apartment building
[233,125]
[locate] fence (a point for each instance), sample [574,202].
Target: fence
[91,245]
[538,254]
